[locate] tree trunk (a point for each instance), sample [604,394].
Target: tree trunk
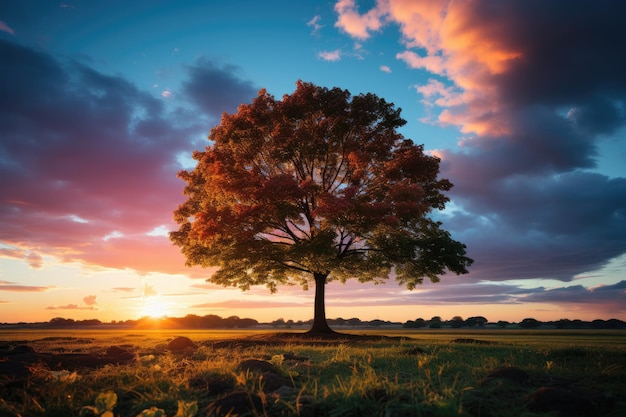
[319,318]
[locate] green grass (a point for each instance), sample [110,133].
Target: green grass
[374,379]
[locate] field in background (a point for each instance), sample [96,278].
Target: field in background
[553,337]
[435,372]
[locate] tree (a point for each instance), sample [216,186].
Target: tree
[479,321]
[318,186]
[434,324]
[529,323]
[457,322]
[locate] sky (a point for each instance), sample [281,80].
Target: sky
[103,102]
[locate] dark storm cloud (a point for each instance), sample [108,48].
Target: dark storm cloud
[532,208]
[217,89]
[70,147]
[83,156]
[613,297]
[569,55]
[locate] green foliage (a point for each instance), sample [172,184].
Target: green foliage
[106,401]
[103,407]
[187,409]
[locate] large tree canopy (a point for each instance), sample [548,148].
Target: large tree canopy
[315,187]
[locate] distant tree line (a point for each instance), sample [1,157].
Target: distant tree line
[458,322]
[212,321]
[338,322]
[191,321]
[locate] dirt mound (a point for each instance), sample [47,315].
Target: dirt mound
[17,360]
[307,338]
[181,344]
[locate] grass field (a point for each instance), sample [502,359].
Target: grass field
[415,373]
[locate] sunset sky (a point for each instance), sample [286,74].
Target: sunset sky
[102,102]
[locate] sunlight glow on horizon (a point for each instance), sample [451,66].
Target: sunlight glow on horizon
[154,307]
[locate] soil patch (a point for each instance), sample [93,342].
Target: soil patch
[16,360]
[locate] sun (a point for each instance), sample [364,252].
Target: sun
[153,307]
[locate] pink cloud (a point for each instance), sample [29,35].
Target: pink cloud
[5,28]
[315,24]
[70,307]
[359,25]
[90,300]
[330,55]
[228,304]
[459,43]
[34,260]
[124,289]
[14,287]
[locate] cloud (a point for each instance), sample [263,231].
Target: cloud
[5,28]
[149,291]
[90,300]
[533,98]
[89,303]
[611,298]
[314,23]
[14,287]
[70,307]
[359,25]
[79,144]
[33,259]
[331,56]
[217,89]
[124,289]
[234,304]
[385,68]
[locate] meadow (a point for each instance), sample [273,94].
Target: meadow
[389,373]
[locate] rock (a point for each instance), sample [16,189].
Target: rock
[415,351]
[16,360]
[116,354]
[472,341]
[377,394]
[15,350]
[271,382]
[294,357]
[257,366]
[563,401]
[305,406]
[285,392]
[181,344]
[213,384]
[236,403]
[512,373]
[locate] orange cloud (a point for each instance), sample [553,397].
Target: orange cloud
[14,287]
[455,41]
